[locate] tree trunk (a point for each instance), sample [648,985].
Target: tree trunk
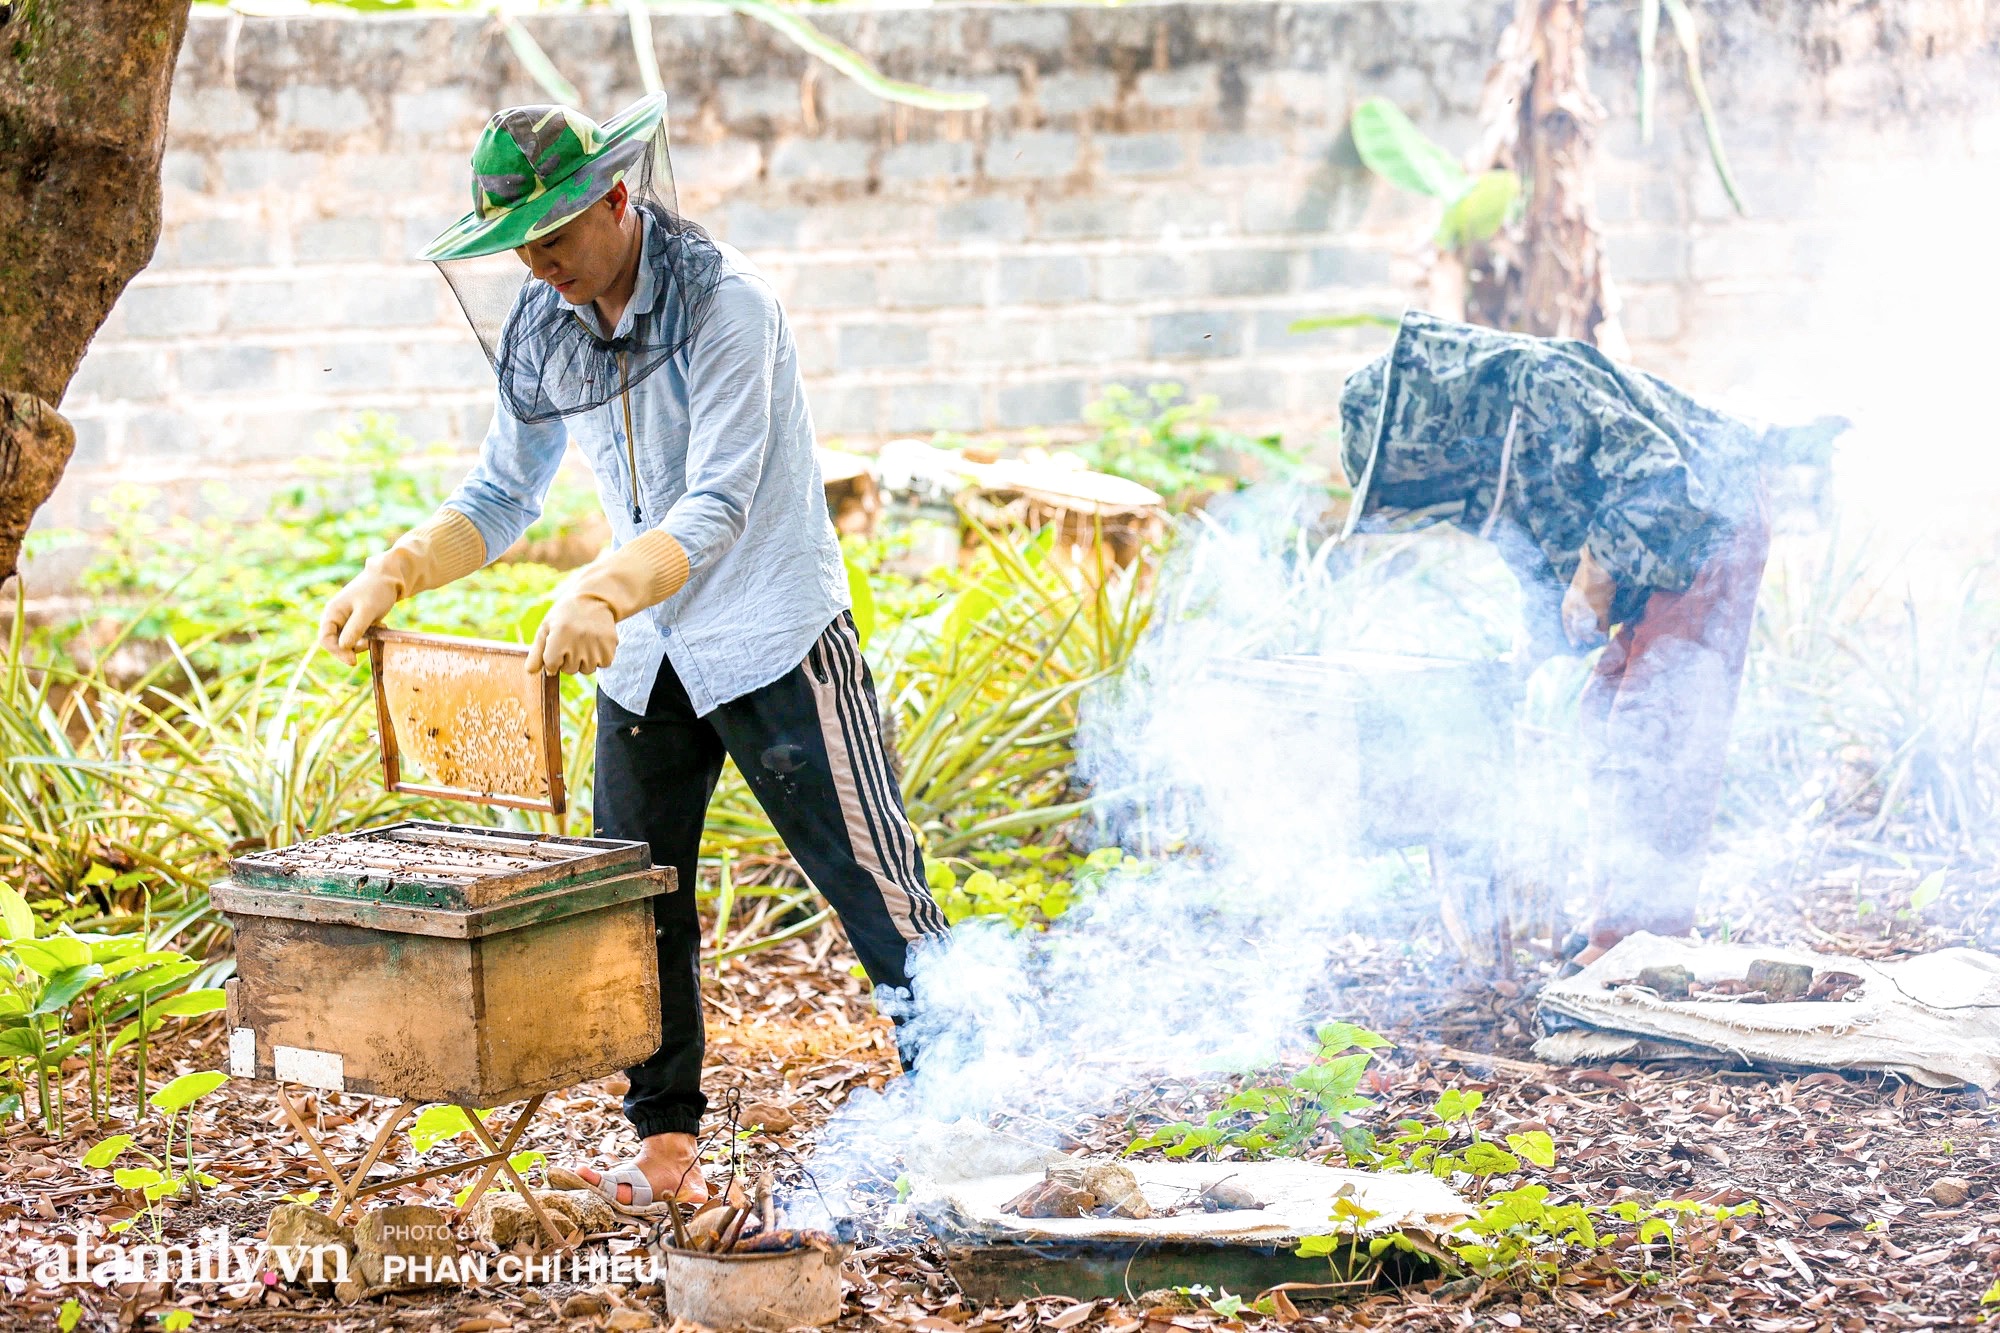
[1545,273]
[83,120]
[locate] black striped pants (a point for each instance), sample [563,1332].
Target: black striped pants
[810,744]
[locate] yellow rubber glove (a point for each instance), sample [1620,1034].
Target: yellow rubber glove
[1586,608]
[445,548]
[580,632]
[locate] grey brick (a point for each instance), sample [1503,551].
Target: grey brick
[458,364]
[1189,86]
[1656,256]
[333,240]
[1038,30]
[161,434]
[420,175]
[1735,252]
[1279,206]
[928,284]
[1142,154]
[118,374]
[752,99]
[1002,91]
[1346,266]
[1041,403]
[1035,153]
[1240,152]
[440,113]
[1249,272]
[170,310]
[418,231]
[370,364]
[211,113]
[1090,341]
[865,346]
[1252,391]
[1197,333]
[93,450]
[1651,314]
[1274,335]
[380,304]
[249,170]
[219,243]
[845,409]
[182,170]
[1070,92]
[228,369]
[876,221]
[1045,280]
[1081,216]
[931,159]
[816,348]
[752,226]
[322,110]
[983,218]
[728,165]
[833,287]
[290,433]
[928,407]
[988,341]
[1146,277]
[1175,210]
[286,304]
[821,160]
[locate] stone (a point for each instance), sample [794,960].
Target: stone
[1115,1187]
[584,1305]
[1669,983]
[503,1216]
[304,1245]
[1780,981]
[1225,1195]
[630,1320]
[403,1247]
[1950,1191]
[768,1116]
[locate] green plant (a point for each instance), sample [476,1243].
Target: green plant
[436,1124]
[163,1178]
[1282,1119]
[1391,146]
[1167,441]
[1029,885]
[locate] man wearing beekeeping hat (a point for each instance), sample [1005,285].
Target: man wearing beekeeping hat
[718,622]
[1626,508]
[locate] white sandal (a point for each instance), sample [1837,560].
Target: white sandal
[606,1188]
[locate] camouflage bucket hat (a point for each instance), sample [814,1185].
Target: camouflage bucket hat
[537,167]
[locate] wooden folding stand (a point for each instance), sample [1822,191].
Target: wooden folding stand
[353,1186]
[431,963]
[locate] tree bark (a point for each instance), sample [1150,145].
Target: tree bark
[83,121]
[1545,273]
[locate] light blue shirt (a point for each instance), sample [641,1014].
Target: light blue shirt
[724,448]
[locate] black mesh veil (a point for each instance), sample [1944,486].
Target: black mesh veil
[547,354]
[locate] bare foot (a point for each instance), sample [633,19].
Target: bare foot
[669,1164]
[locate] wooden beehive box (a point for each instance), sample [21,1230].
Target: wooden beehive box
[436,963]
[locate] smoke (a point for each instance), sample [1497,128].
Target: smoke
[1246,798]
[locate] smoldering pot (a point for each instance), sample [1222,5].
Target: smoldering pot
[1379,750]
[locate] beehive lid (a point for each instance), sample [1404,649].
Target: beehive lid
[463,719]
[425,864]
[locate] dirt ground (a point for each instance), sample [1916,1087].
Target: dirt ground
[1880,1199]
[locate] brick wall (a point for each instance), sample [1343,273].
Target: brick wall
[1155,192]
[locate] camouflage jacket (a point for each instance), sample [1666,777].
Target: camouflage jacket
[1600,454]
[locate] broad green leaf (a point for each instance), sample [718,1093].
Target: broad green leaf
[1396,150]
[189,1003]
[1323,323]
[1319,1247]
[849,62]
[136,1177]
[1535,1146]
[536,61]
[19,1044]
[177,1321]
[863,598]
[17,919]
[435,1124]
[51,954]
[1927,892]
[1483,1159]
[112,948]
[67,1317]
[1337,1037]
[186,1089]
[1480,212]
[149,980]
[1452,1104]
[102,1154]
[98,873]
[132,962]
[64,987]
